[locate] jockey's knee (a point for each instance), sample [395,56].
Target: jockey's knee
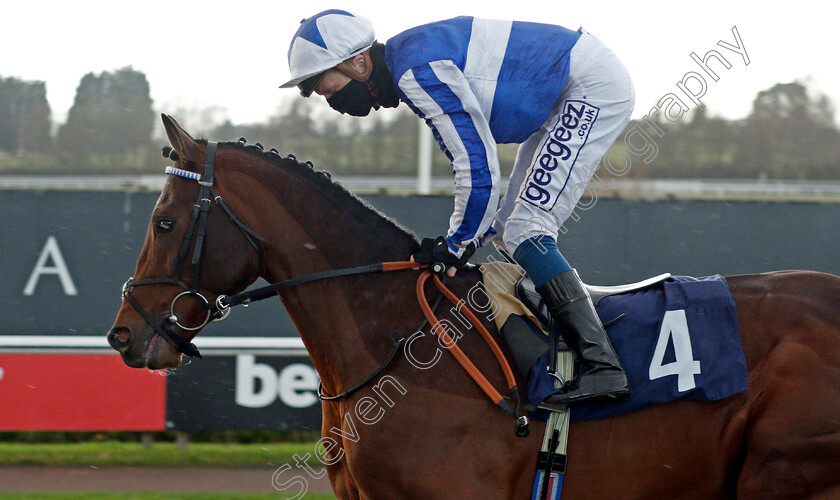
[514,236]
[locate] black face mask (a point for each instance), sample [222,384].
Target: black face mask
[353,99]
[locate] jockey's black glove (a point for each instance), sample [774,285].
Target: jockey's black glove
[433,250]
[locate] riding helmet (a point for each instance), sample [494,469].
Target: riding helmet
[323,41]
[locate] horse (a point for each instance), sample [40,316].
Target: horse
[427,430]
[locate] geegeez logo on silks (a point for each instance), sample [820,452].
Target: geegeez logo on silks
[547,179]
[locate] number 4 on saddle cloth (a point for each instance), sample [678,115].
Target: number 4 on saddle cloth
[677,339]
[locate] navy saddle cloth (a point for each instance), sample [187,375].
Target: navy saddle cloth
[679,339]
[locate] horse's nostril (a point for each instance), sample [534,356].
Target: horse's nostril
[118,337]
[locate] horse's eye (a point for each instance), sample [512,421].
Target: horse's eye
[163,224]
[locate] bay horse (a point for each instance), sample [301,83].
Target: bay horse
[431,433]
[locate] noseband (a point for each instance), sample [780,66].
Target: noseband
[196,228]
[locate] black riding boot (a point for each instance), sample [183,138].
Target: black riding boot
[601,373]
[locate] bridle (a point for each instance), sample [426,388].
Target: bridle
[218,310]
[221,307]
[197,228]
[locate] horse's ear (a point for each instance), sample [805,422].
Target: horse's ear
[181,141]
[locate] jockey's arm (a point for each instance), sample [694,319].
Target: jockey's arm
[439,93]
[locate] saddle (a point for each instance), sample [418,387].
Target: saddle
[525,313]
[527,293]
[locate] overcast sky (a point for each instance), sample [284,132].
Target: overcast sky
[232,54]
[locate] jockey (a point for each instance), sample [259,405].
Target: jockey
[561,94]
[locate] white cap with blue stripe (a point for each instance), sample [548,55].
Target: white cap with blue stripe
[325,40]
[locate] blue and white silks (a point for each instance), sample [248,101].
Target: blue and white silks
[477,83]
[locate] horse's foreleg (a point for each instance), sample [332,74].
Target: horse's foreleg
[342,484]
[342,481]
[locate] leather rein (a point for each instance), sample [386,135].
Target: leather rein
[219,310]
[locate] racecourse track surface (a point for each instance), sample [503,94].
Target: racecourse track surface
[29,478]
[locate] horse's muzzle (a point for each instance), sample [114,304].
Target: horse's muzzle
[119,338]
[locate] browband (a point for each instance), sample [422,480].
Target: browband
[209,165]
[180,172]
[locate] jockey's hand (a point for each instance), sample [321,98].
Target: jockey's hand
[433,250]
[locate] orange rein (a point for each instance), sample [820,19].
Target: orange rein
[224,302]
[456,351]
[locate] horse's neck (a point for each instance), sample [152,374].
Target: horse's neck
[346,323]
[337,317]
[322,227]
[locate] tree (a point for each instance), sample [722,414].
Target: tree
[789,134]
[24,117]
[111,119]
[706,145]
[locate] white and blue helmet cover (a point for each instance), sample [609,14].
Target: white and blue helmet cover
[325,40]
